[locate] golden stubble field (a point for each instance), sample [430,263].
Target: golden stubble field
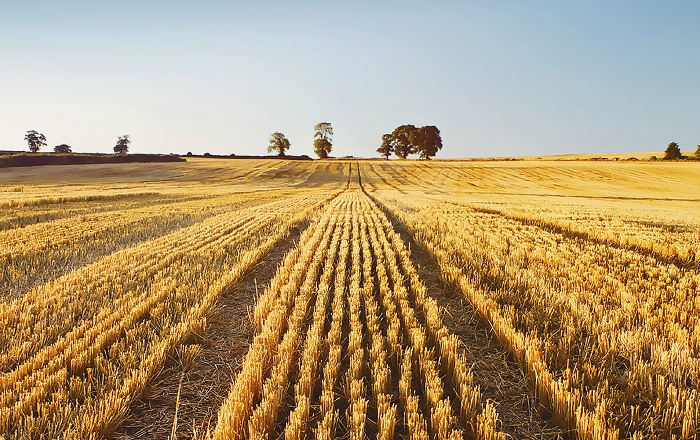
[269,299]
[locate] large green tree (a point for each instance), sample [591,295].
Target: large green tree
[323,139]
[35,140]
[673,151]
[386,148]
[122,146]
[278,143]
[400,140]
[426,140]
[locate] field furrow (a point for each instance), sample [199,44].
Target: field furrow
[42,252]
[62,304]
[197,376]
[231,298]
[355,384]
[597,328]
[669,242]
[74,370]
[22,216]
[29,200]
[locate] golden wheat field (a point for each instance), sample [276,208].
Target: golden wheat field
[279,299]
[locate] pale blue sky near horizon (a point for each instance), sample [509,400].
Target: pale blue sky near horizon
[499,78]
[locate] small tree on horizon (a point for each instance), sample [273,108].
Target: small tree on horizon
[386,148]
[278,143]
[673,151]
[122,146]
[697,152]
[323,142]
[63,148]
[35,140]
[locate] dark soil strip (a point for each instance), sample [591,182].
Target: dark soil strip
[207,365]
[495,372]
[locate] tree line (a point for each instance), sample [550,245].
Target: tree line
[36,140]
[409,139]
[403,141]
[323,141]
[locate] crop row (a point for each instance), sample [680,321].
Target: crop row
[19,217]
[28,200]
[76,229]
[676,243]
[349,343]
[42,315]
[606,335]
[81,348]
[38,253]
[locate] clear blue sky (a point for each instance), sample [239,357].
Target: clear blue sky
[497,77]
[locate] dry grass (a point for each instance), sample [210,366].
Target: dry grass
[596,304]
[586,273]
[209,362]
[391,322]
[77,349]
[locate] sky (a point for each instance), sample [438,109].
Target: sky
[498,78]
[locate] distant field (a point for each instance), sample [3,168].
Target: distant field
[614,156]
[231,299]
[644,156]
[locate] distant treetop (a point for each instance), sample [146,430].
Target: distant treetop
[278,143]
[409,139]
[122,146]
[387,147]
[323,139]
[426,140]
[673,151]
[35,140]
[400,138]
[63,148]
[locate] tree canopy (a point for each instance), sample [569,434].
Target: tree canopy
[35,140]
[387,147]
[697,152]
[400,139]
[426,141]
[122,146]
[409,139]
[63,148]
[673,151]
[323,142]
[278,143]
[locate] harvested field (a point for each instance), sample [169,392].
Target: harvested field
[269,299]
